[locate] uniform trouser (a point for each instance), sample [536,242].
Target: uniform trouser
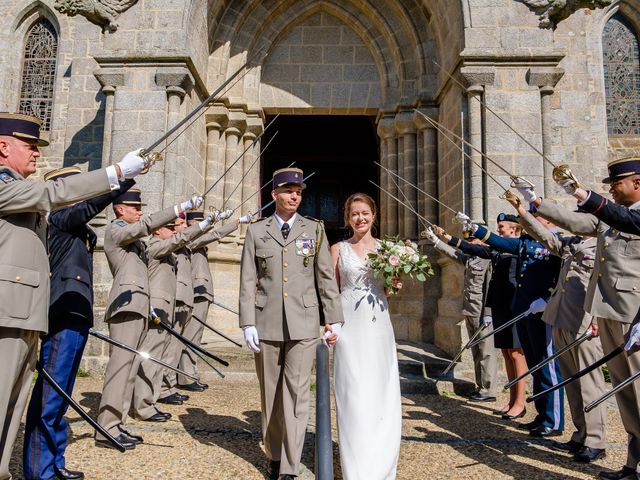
[284,373]
[119,378]
[45,435]
[621,367]
[590,427]
[536,340]
[182,315]
[148,380]
[18,360]
[193,331]
[484,360]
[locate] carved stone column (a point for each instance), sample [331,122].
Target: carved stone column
[545,78]
[477,79]
[109,80]
[216,120]
[235,130]
[250,184]
[176,82]
[406,128]
[427,165]
[389,158]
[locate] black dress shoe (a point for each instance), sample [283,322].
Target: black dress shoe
[156,417]
[626,473]
[568,447]
[588,454]
[543,432]
[479,397]
[166,414]
[182,397]
[274,470]
[64,474]
[529,426]
[136,439]
[192,387]
[172,399]
[516,416]
[203,385]
[124,440]
[287,477]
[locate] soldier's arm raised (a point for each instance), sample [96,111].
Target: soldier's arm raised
[248,279]
[326,281]
[162,248]
[451,252]
[578,223]
[131,232]
[506,245]
[214,234]
[481,251]
[614,215]
[541,233]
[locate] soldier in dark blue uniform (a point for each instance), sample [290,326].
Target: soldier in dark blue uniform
[71,243]
[537,275]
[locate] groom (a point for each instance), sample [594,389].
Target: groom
[286,274]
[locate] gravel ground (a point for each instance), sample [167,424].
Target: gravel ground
[216,435]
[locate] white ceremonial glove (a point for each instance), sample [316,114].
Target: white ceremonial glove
[487,320]
[192,203]
[246,219]
[462,218]
[634,337]
[206,223]
[131,164]
[537,306]
[223,215]
[251,338]
[526,190]
[431,236]
[568,186]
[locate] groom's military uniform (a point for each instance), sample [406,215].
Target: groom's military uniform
[285,278]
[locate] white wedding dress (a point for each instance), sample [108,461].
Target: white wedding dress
[367,383]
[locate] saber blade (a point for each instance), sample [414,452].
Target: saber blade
[612,392]
[459,354]
[216,331]
[411,209]
[144,355]
[582,338]
[189,343]
[501,328]
[228,309]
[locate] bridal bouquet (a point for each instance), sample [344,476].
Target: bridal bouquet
[395,259]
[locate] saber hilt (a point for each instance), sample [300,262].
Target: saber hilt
[73,404]
[586,336]
[501,327]
[625,383]
[616,351]
[459,354]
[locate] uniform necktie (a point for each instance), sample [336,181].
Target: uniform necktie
[285,229]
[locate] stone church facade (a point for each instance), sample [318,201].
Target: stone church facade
[349,80]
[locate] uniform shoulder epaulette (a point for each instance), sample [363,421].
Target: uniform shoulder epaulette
[120,223]
[314,219]
[261,219]
[6,177]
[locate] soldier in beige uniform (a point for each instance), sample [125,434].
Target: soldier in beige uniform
[162,285]
[612,296]
[477,275]
[202,294]
[565,313]
[286,273]
[128,305]
[24,266]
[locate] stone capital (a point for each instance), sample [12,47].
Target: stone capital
[255,125]
[544,77]
[237,120]
[173,90]
[421,122]
[174,77]
[476,77]
[386,127]
[109,79]
[404,123]
[217,117]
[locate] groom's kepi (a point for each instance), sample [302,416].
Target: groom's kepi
[285,279]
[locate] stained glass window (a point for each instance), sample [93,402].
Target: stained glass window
[39,72]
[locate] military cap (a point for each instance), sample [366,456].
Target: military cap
[197,216]
[130,197]
[506,217]
[288,176]
[62,172]
[21,126]
[621,168]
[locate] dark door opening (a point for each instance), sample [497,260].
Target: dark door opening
[339,149]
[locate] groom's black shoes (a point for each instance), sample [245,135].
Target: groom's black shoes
[480,397]
[287,477]
[274,469]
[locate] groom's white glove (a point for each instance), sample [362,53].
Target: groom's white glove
[251,338]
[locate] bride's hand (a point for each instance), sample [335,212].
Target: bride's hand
[330,336]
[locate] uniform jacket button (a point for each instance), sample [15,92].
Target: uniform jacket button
[599,275]
[286,295]
[286,279]
[285,265]
[18,278]
[78,277]
[285,250]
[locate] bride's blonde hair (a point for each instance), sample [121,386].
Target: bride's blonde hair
[358,197]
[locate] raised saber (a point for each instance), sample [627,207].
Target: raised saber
[410,208]
[144,355]
[186,341]
[216,331]
[582,338]
[502,327]
[73,404]
[613,391]
[459,354]
[616,351]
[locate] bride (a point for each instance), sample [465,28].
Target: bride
[367,384]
